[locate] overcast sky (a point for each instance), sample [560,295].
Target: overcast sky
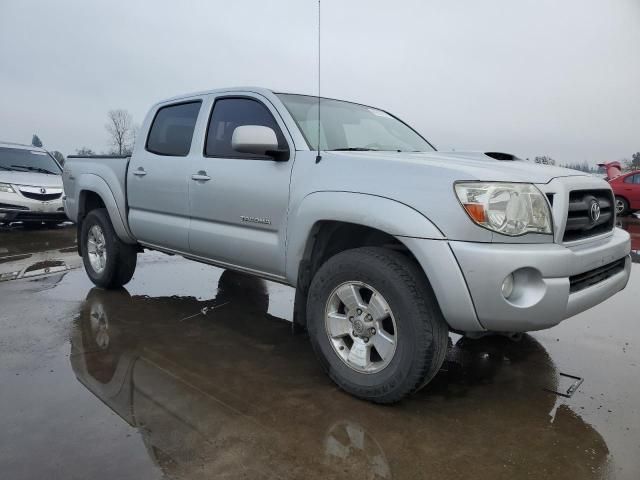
[559,78]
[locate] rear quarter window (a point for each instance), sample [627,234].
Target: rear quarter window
[172,129]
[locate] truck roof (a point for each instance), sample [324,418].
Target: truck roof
[185,96]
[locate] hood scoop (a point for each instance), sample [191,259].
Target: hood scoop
[502,156]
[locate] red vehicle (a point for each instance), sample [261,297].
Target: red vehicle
[626,187]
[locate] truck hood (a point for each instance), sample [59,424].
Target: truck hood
[473,165]
[31,178]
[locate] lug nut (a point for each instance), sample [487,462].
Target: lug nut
[365,339]
[354,333]
[351,319]
[372,331]
[359,312]
[368,318]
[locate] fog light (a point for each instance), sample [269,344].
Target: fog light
[507,286]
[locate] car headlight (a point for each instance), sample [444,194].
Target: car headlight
[507,208]
[6,188]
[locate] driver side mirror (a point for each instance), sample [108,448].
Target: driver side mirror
[258,140]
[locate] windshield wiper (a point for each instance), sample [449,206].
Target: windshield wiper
[34,169]
[354,149]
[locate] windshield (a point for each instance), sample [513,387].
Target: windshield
[350,126]
[21,160]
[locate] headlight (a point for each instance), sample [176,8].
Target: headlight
[507,208]
[6,188]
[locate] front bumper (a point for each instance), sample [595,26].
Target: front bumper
[17,208]
[543,295]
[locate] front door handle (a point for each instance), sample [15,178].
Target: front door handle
[139,172]
[201,176]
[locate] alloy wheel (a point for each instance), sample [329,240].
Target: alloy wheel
[361,327]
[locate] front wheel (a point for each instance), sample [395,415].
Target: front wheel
[108,261]
[622,206]
[375,325]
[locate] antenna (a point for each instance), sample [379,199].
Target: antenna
[318,156]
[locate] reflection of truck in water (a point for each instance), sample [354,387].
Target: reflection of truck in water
[218,396]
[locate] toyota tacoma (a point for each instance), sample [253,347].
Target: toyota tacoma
[389,243]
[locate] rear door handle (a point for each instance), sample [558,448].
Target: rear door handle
[201,176]
[139,172]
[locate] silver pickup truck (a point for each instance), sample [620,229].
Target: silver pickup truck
[389,243]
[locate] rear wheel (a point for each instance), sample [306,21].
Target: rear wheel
[375,325]
[622,206]
[108,261]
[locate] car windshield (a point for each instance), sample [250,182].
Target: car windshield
[24,160]
[351,126]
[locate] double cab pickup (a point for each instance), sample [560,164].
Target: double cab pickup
[389,243]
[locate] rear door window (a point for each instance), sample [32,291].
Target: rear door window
[172,129]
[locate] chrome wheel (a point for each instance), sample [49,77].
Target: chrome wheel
[97,249]
[619,206]
[361,327]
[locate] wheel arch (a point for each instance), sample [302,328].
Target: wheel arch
[325,226]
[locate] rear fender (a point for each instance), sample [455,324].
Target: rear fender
[93,183]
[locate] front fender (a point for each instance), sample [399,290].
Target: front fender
[381,213]
[93,183]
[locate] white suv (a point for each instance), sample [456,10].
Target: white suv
[30,185]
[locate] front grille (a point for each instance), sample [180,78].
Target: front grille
[597,275]
[12,207]
[39,216]
[580,223]
[43,197]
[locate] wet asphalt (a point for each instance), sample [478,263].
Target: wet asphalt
[193,372]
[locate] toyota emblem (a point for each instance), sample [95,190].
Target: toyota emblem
[594,211]
[43,191]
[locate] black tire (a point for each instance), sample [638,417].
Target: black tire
[120,257]
[625,206]
[421,344]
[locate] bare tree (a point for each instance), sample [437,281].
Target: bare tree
[545,160]
[134,135]
[120,128]
[35,141]
[84,151]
